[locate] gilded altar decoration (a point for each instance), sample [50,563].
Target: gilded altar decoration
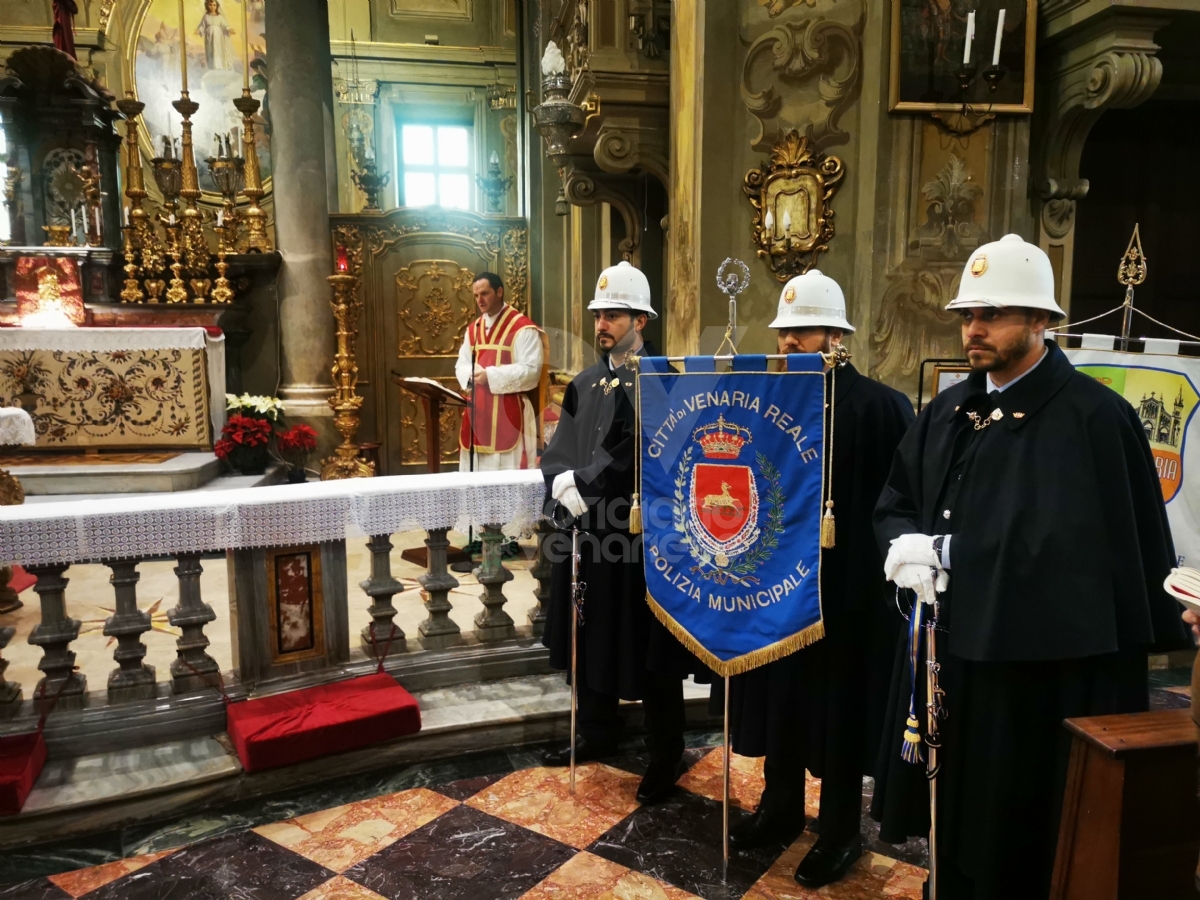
[434,305]
[48,292]
[792,195]
[346,401]
[119,398]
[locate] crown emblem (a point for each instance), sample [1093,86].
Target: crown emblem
[789,295]
[603,282]
[979,265]
[721,439]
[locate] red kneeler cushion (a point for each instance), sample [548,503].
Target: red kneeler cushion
[21,759]
[317,721]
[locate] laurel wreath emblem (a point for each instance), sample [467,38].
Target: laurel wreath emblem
[740,569]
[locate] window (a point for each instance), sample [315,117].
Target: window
[435,160]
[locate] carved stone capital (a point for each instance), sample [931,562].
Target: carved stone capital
[1110,65]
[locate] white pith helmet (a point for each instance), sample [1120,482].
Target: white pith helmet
[812,300]
[1008,272]
[623,287]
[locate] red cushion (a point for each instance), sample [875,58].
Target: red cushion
[21,759]
[21,579]
[328,718]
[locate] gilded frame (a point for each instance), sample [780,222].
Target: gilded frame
[984,35]
[317,597]
[939,371]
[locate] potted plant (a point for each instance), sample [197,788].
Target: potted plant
[245,444]
[294,447]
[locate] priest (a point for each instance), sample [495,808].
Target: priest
[1026,499]
[821,708]
[624,652]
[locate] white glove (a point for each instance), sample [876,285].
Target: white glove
[912,563]
[563,490]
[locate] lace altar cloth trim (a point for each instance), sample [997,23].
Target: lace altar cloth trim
[282,515]
[16,426]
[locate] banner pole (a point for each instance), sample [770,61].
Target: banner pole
[574,645]
[725,793]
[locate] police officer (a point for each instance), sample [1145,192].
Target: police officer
[1028,495]
[624,652]
[821,708]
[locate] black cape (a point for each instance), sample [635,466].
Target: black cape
[786,709]
[1060,546]
[620,640]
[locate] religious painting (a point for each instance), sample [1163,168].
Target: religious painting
[215,74]
[937,44]
[296,604]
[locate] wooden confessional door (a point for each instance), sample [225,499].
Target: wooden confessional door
[417,267]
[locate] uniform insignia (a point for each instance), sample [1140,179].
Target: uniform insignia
[609,385]
[603,283]
[1018,415]
[979,265]
[789,295]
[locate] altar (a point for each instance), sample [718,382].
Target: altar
[116,389]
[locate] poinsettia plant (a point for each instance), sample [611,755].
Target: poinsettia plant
[245,443]
[255,406]
[294,447]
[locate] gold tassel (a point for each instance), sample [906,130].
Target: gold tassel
[828,529]
[635,515]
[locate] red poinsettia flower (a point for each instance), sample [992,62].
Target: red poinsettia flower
[297,439]
[247,431]
[223,448]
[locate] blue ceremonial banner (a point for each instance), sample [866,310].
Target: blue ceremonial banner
[732,470]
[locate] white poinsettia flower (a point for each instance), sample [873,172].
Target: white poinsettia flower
[231,401]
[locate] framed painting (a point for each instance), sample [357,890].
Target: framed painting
[215,46]
[296,601]
[931,53]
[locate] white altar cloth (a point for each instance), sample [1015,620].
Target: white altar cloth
[276,516]
[108,340]
[16,426]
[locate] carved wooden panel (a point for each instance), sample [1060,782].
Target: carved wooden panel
[434,9]
[434,305]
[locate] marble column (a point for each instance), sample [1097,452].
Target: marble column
[299,78]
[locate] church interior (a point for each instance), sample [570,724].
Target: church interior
[238,246]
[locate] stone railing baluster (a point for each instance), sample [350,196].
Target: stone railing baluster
[10,691]
[193,669]
[542,568]
[381,587]
[132,679]
[438,631]
[54,634]
[492,623]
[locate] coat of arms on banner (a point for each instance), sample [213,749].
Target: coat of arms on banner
[731,486]
[1164,401]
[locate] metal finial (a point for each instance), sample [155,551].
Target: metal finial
[729,282]
[1132,269]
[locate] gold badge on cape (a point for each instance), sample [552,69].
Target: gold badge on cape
[979,265]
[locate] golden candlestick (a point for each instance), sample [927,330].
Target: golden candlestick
[222,291]
[345,462]
[256,218]
[177,292]
[132,292]
[195,247]
[90,175]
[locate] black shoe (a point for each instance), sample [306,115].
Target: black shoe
[767,826]
[585,751]
[659,782]
[826,862]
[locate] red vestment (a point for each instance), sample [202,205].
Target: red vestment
[497,417]
[64,26]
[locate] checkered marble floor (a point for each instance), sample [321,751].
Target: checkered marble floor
[517,835]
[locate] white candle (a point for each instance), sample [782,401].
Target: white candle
[769,221]
[127,217]
[220,217]
[787,221]
[999,35]
[970,37]
[97,212]
[74,225]
[171,219]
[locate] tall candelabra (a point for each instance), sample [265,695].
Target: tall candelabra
[194,250]
[346,402]
[253,214]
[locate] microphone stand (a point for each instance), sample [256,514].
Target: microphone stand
[467,565]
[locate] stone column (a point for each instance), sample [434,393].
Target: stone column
[298,80]
[541,571]
[438,631]
[132,679]
[382,635]
[492,623]
[192,669]
[10,691]
[54,635]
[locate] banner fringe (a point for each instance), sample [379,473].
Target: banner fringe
[741,664]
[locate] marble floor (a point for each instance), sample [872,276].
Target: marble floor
[495,825]
[90,599]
